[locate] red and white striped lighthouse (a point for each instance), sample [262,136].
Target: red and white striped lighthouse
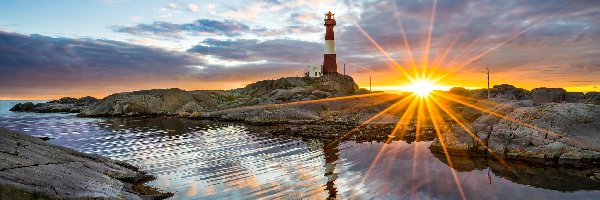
[329,60]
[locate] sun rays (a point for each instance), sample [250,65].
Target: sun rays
[425,104]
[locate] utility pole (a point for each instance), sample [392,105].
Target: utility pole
[344,68]
[488,81]
[370,84]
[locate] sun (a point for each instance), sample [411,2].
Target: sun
[421,88]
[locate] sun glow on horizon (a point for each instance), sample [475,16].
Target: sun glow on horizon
[421,88]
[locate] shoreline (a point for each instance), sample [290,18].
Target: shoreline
[33,168]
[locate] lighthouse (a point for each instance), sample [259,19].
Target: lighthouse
[329,60]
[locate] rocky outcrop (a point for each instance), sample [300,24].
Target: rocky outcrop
[337,83]
[503,91]
[163,102]
[574,97]
[548,95]
[34,169]
[65,104]
[347,110]
[592,97]
[553,134]
[146,102]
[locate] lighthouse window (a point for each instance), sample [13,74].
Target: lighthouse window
[315,73]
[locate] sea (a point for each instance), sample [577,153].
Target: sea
[216,160]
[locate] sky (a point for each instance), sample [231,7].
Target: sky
[55,48]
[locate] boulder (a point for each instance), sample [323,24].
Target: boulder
[548,95]
[506,91]
[66,100]
[503,91]
[319,94]
[592,97]
[574,97]
[261,88]
[23,107]
[336,83]
[460,91]
[87,99]
[145,102]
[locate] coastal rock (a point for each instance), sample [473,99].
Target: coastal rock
[65,104]
[574,97]
[503,91]
[266,86]
[472,114]
[87,99]
[348,110]
[548,95]
[24,107]
[66,100]
[592,97]
[460,91]
[145,102]
[164,102]
[32,168]
[553,134]
[337,83]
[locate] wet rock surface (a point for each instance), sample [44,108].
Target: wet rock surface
[34,169]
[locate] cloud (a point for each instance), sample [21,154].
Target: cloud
[35,64]
[244,13]
[171,30]
[192,7]
[172,5]
[35,59]
[277,50]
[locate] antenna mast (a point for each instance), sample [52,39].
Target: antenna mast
[488,82]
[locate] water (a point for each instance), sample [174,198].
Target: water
[209,160]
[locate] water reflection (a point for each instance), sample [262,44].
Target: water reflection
[208,160]
[553,178]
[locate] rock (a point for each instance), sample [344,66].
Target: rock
[574,97]
[548,95]
[188,109]
[145,102]
[322,112]
[471,114]
[32,167]
[553,134]
[503,91]
[319,94]
[337,83]
[592,97]
[263,87]
[460,91]
[66,100]
[23,107]
[87,99]
[65,104]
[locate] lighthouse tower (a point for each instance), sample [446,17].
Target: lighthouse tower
[329,60]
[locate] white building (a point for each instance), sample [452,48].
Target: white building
[315,70]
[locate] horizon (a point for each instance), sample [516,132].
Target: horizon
[105,47]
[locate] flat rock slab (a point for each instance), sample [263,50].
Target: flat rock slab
[50,171]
